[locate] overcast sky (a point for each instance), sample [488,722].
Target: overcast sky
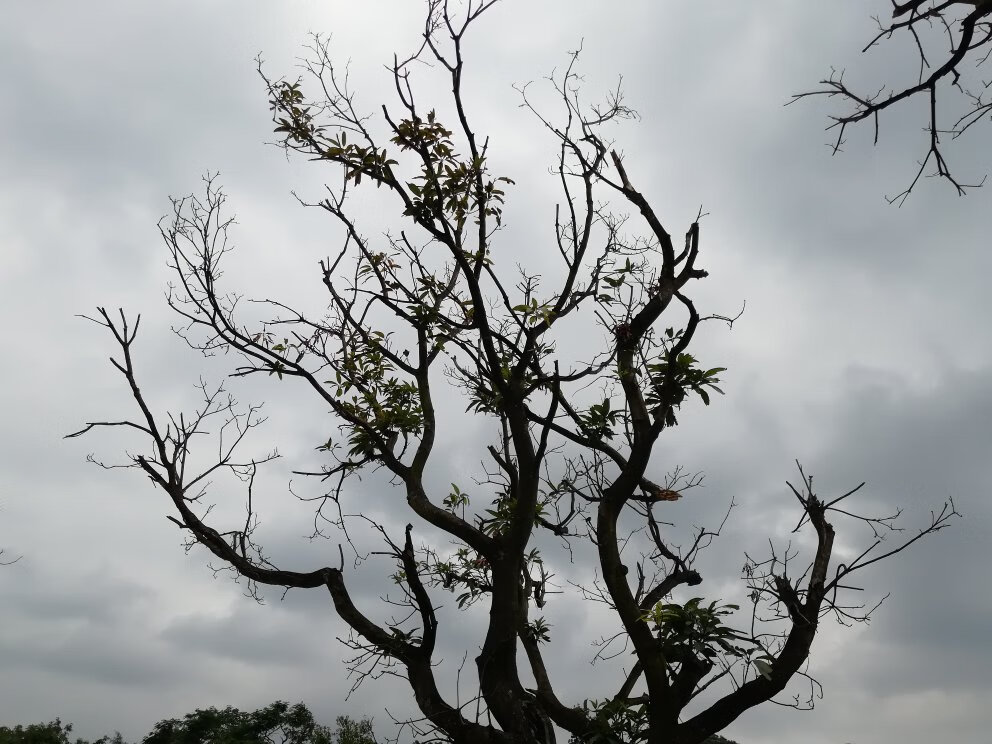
[864,351]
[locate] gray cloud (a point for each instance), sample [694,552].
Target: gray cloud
[862,351]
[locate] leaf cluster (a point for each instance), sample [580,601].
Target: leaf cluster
[694,628]
[297,121]
[446,184]
[598,421]
[382,403]
[675,377]
[614,722]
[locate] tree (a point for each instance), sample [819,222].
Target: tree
[350,731]
[37,733]
[429,311]
[53,732]
[278,722]
[965,26]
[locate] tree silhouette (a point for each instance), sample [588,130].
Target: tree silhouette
[430,312]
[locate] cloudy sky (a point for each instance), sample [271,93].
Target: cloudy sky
[863,352]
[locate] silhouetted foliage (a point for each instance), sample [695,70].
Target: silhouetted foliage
[278,723]
[54,732]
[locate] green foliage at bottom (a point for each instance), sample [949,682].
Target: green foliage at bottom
[53,732]
[278,723]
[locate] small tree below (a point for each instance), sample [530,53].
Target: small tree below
[278,723]
[53,732]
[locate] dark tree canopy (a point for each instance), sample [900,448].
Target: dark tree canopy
[430,308]
[53,732]
[952,40]
[277,723]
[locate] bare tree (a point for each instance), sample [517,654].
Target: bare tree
[953,40]
[420,314]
